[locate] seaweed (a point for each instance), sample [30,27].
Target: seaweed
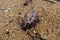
[31,20]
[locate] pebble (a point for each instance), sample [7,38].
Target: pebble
[6,10]
[7,31]
[9,8]
[26,3]
[35,32]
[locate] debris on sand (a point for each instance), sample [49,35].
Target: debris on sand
[31,20]
[53,1]
[37,35]
[27,2]
[5,9]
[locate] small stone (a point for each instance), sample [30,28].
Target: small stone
[35,32]
[9,8]
[46,30]
[42,38]
[7,32]
[26,3]
[10,21]
[20,13]
[6,10]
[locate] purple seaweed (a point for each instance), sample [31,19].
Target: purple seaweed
[31,17]
[31,20]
